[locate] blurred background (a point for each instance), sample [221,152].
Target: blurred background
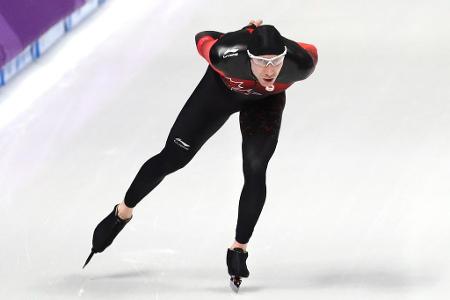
[357,191]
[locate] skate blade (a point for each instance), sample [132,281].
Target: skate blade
[235,283]
[88,259]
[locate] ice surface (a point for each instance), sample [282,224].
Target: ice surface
[358,189]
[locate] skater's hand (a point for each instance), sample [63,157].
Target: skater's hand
[255,22]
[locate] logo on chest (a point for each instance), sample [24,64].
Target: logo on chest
[239,86]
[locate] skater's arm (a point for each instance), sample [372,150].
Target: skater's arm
[300,61]
[210,34]
[228,53]
[311,49]
[204,41]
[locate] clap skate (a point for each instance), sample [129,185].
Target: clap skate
[105,232]
[237,268]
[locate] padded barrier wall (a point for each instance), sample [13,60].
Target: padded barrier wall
[21,45]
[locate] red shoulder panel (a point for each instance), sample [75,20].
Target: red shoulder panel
[312,50]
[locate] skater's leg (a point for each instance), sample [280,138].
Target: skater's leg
[260,124]
[203,114]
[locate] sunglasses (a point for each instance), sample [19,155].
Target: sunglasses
[264,62]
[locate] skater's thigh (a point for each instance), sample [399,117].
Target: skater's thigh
[262,117]
[202,115]
[260,123]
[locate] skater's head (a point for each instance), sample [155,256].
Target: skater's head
[266,40]
[266,51]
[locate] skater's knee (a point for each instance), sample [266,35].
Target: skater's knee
[175,157]
[255,167]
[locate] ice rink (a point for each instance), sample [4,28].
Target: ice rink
[358,190]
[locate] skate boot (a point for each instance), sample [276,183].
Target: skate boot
[105,232]
[237,267]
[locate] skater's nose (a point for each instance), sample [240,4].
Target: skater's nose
[269,71]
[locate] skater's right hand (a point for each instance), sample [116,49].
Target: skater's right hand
[257,22]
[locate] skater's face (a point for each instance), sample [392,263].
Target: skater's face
[268,73]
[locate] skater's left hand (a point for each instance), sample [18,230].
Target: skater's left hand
[257,22]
